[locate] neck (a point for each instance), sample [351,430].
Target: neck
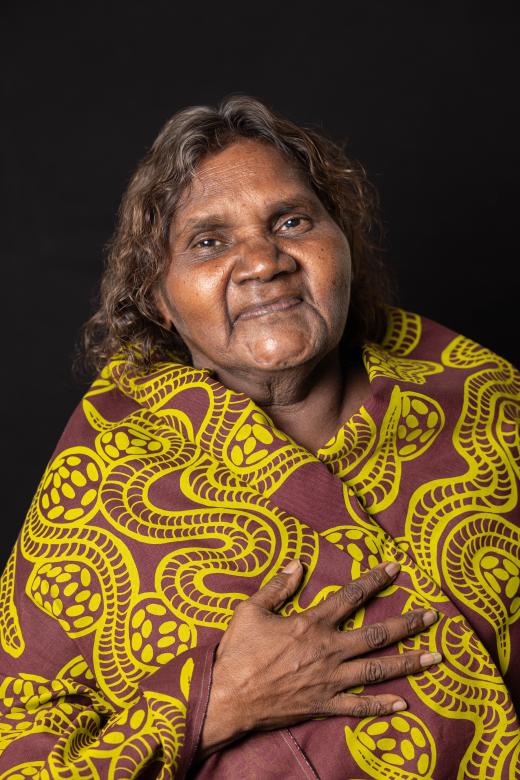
[309,403]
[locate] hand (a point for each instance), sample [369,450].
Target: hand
[272,671]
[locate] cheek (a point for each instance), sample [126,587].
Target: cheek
[332,277]
[196,298]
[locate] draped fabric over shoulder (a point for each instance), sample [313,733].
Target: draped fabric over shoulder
[170,499]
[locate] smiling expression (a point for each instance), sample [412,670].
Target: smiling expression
[259,279]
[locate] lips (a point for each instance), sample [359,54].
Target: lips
[269,307]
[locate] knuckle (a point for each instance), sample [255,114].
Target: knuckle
[373,672]
[241,607]
[316,707]
[361,708]
[316,653]
[377,578]
[368,705]
[301,623]
[376,635]
[410,663]
[414,621]
[353,594]
[379,708]
[277,588]
[277,584]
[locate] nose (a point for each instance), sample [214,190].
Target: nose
[260,259]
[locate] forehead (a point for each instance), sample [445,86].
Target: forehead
[246,171]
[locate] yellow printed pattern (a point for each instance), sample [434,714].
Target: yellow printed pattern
[128,569]
[457,530]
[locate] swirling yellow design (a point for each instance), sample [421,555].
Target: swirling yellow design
[82,574]
[92,584]
[105,507]
[482,563]
[456,534]
[42,706]
[410,426]
[248,533]
[352,444]
[24,771]
[382,363]
[11,637]
[441,511]
[403,331]
[465,686]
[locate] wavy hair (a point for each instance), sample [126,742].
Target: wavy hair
[128,321]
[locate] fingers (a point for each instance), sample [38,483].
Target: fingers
[364,706]
[341,604]
[275,593]
[362,640]
[366,671]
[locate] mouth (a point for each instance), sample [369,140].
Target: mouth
[272,307]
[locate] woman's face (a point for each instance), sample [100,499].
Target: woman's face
[259,279]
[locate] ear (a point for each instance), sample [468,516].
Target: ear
[163,307]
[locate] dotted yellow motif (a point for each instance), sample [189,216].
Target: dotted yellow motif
[454,527]
[155,636]
[364,548]
[462,517]
[251,440]
[400,747]
[421,421]
[70,487]
[117,559]
[502,574]
[372,464]
[69,593]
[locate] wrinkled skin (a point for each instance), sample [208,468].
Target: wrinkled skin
[274,671]
[258,288]
[250,232]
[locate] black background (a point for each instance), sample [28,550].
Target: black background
[426,93]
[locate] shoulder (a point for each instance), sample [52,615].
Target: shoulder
[101,408]
[416,336]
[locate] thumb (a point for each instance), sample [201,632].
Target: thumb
[274,593]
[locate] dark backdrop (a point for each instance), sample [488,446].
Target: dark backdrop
[425,92]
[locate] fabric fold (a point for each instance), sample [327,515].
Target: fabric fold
[170,499]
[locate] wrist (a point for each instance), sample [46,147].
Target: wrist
[225,719]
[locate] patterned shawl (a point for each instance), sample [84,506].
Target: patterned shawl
[170,499]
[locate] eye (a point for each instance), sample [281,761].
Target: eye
[293,223]
[206,243]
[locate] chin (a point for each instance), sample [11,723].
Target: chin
[269,354]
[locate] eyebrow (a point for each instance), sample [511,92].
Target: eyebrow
[276,209]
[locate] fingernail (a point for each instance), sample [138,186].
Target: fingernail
[392,569]
[429,617]
[427,659]
[400,704]
[291,566]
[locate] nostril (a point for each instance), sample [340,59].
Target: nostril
[261,266]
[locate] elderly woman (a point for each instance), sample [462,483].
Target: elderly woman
[271,451]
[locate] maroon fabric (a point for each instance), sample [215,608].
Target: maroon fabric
[185,500]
